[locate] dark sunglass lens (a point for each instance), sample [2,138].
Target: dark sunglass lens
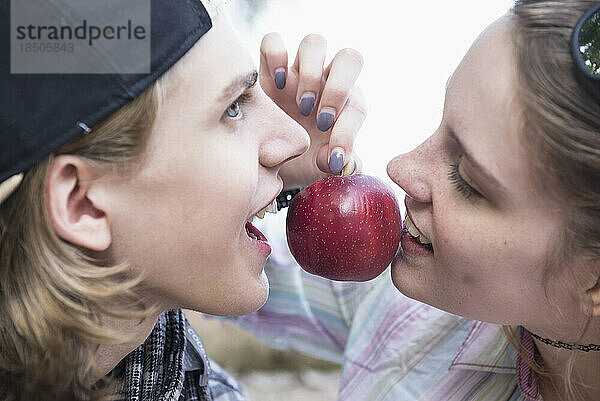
[589,43]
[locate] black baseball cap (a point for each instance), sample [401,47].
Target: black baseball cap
[40,112]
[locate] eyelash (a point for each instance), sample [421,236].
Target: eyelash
[243,99]
[461,185]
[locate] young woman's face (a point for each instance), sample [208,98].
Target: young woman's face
[490,233]
[213,159]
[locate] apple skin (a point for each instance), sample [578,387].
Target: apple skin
[344,228]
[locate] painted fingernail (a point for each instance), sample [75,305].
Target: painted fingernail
[336,160]
[280,78]
[307,103]
[325,119]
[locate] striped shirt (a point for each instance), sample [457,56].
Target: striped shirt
[390,347]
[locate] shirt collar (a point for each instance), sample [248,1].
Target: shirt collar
[525,375]
[485,348]
[195,357]
[156,369]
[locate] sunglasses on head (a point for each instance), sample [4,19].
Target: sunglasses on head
[585,43]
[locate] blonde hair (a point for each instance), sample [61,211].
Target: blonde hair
[53,294]
[561,133]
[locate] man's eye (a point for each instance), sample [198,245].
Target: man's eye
[233,111]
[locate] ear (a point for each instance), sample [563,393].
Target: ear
[590,303]
[73,214]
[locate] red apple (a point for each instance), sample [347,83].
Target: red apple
[345,228]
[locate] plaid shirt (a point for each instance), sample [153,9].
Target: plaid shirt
[172,365]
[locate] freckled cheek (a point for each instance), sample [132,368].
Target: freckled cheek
[491,260]
[456,268]
[460,254]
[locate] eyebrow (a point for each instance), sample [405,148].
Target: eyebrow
[489,177]
[238,85]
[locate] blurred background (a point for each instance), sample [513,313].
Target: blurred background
[410,50]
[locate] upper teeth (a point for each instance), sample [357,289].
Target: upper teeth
[270,208]
[410,226]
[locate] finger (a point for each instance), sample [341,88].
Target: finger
[353,166]
[345,131]
[274,54]
[345,68]
[309,64]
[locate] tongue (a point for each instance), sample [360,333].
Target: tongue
[253,230]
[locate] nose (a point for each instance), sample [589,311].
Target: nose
[284,139]
[413,172]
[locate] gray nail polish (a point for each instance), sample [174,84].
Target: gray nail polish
[336,160]
[306,105]
[325,121]
[280,79]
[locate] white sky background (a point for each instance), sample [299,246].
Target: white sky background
[403,85]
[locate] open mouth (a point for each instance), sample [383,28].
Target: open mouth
[415,235]
[254,232]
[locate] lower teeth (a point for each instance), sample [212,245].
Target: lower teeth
[428,246]
[251,235]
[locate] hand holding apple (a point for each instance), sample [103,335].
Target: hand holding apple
[344,228]
[323,98]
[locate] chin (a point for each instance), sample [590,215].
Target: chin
[247,307]
[400,284]
[260,296]
[249,299]
[409,281]
[239,305]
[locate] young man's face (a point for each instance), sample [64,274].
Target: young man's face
[212,163]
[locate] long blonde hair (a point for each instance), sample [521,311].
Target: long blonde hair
[561,133]
[53,294]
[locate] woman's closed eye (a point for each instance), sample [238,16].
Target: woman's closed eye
[462,186]
[234,111]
